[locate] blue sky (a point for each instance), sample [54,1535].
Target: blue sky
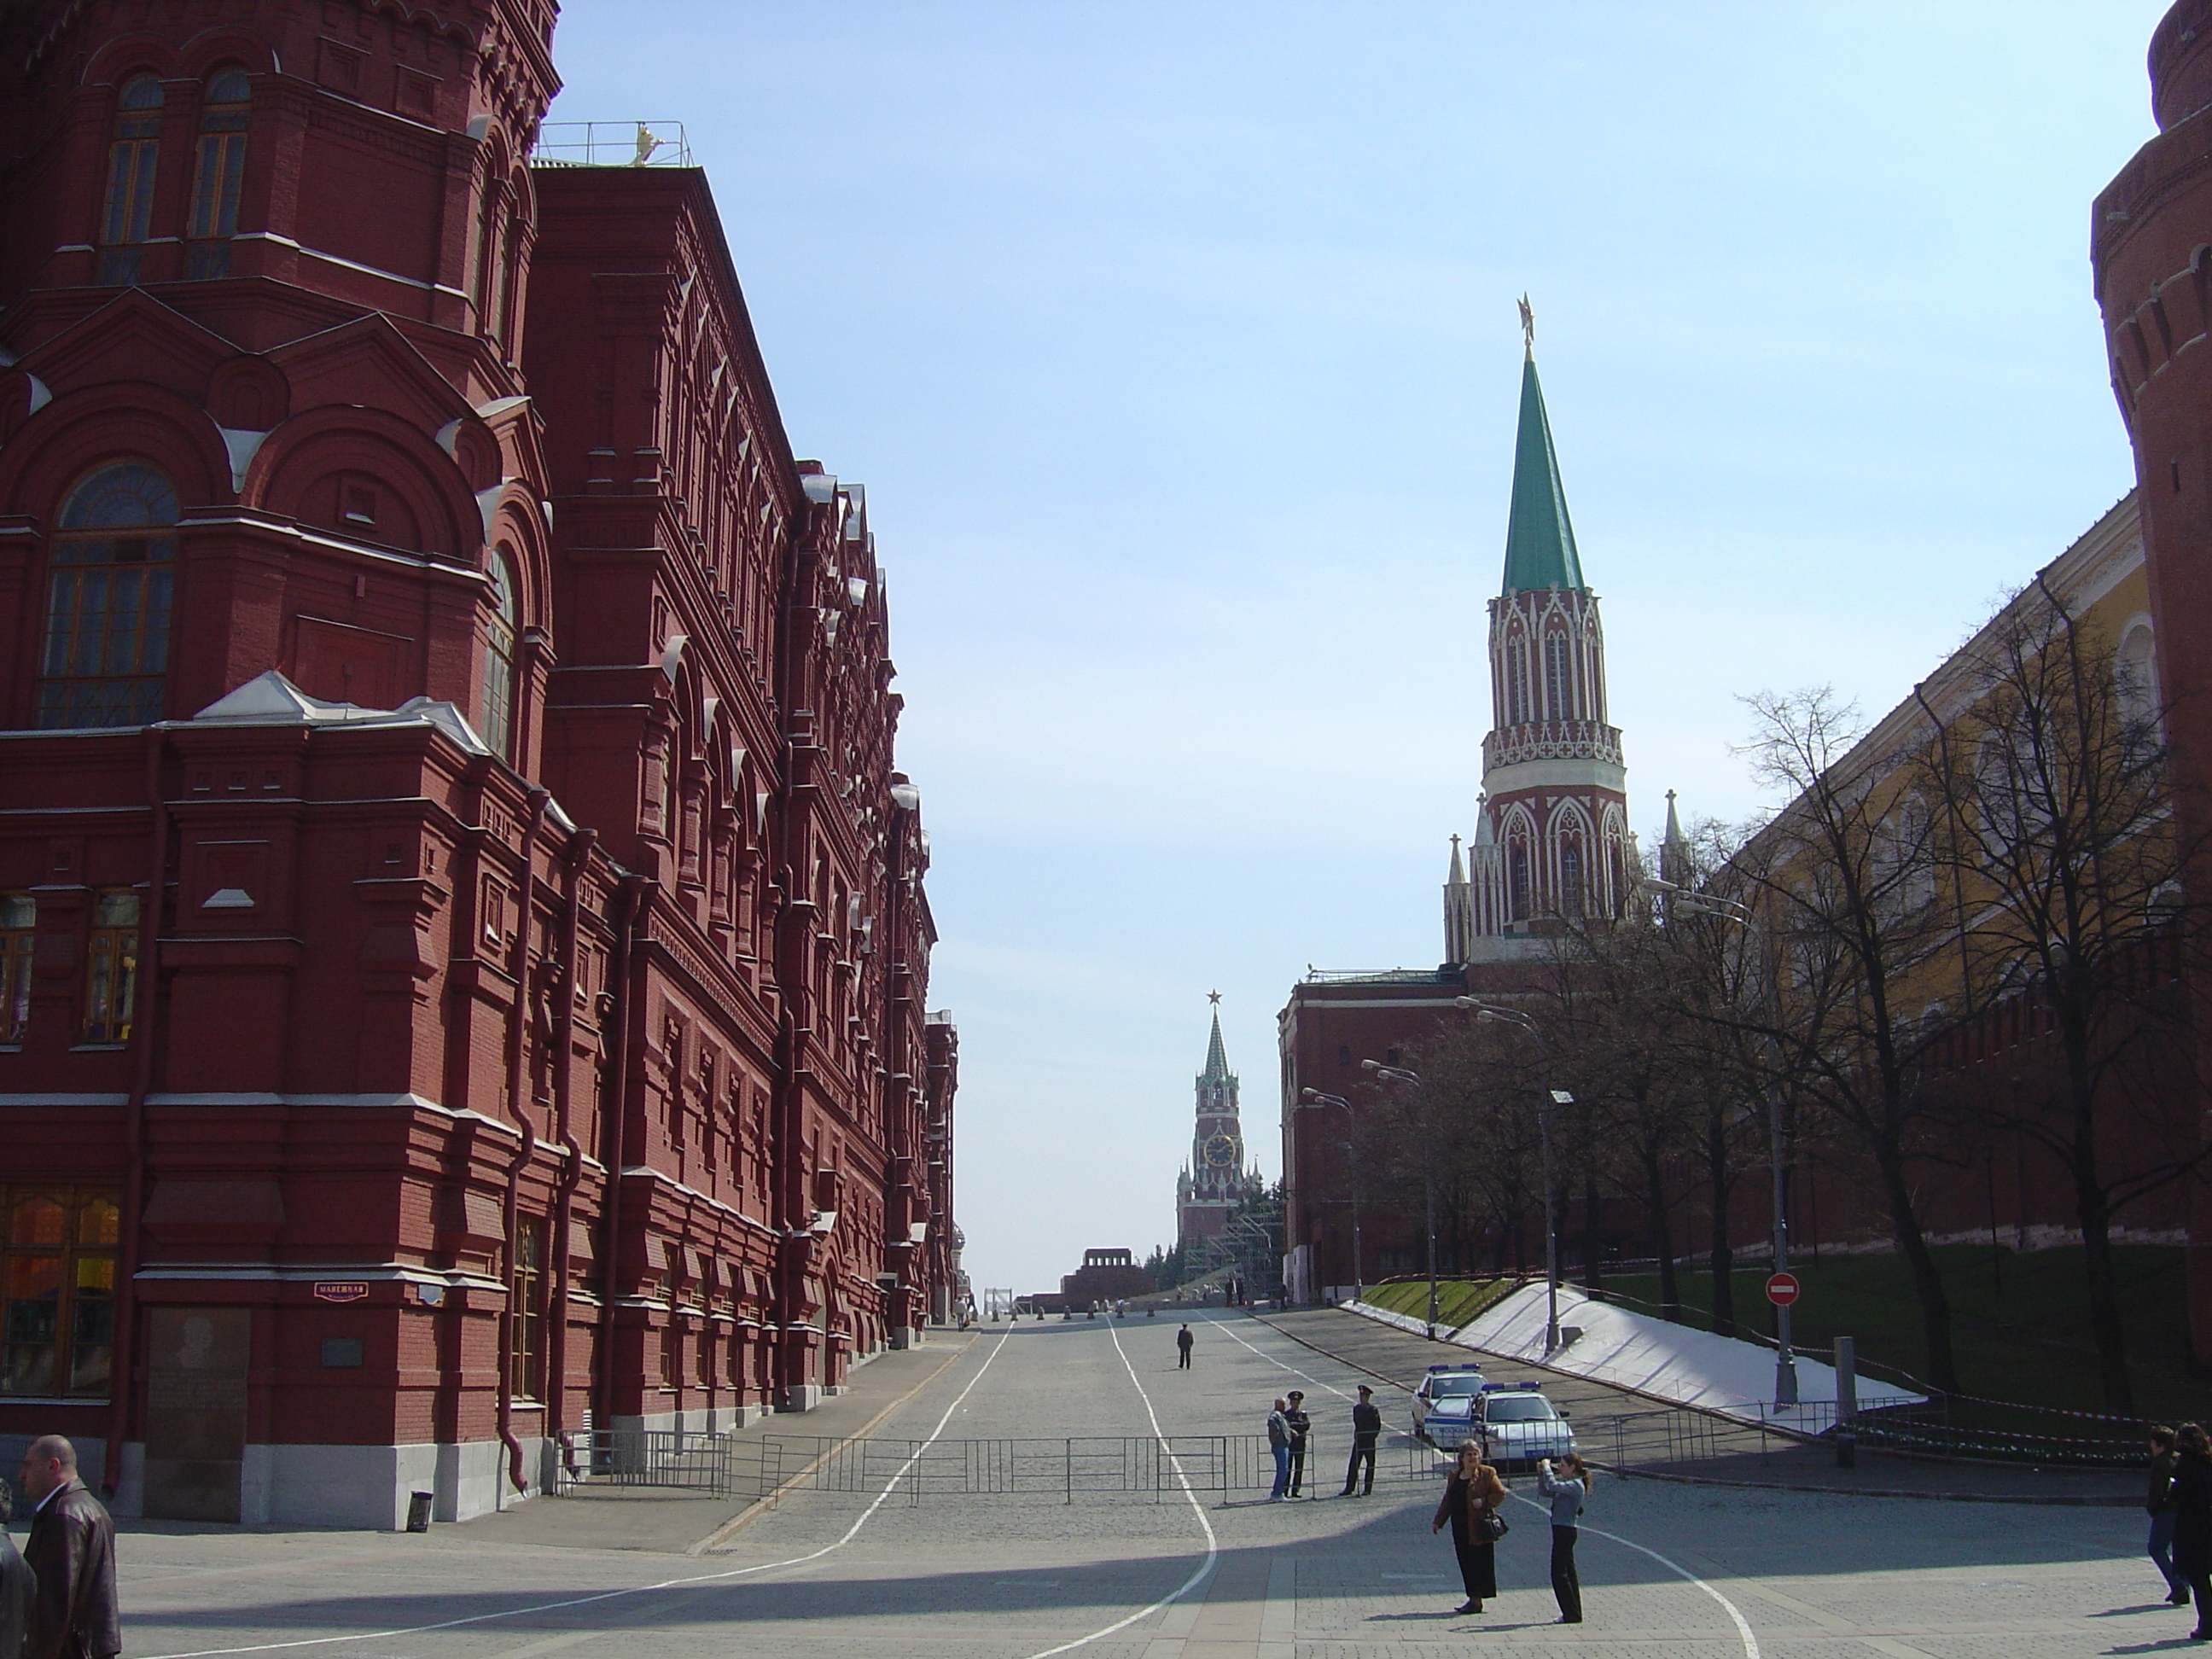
[1175,344]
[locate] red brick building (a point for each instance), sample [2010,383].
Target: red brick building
[2151,251]
[465,944]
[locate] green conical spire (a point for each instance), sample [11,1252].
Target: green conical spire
[1217,1057]
[1540,538]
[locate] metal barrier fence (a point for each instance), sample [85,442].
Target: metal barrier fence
[910,1471]
[1071,1466]
[643,1457]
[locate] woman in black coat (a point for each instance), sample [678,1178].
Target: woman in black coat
[1473,1492]
[2192,1520]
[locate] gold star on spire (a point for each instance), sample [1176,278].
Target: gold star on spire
[1527,327]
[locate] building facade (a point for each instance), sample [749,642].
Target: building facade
[464,939]
[1218,1177]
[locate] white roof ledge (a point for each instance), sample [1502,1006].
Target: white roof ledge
[270,699]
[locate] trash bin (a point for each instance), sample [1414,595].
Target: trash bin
[1847,1449]
[418,1512]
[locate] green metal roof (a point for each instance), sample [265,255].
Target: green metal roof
[1217,1057]
[1540,538]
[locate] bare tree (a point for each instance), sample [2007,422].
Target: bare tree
[1711,979]
[2063,862]
[1467,1131]
[1624,1055]
[1838,884]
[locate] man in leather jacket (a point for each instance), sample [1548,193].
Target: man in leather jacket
[71,1550]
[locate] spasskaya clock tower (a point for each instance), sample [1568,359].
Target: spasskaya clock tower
[1216,1179]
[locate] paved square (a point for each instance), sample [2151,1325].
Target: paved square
[1684,1572]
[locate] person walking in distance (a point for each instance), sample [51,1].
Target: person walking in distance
[1568,1487]
[1183,1339]
[1301,1427]
[1366,1430]
[1473,1497]
[2192,1520]
[1278,1445]
[71,1551]
[2159,1504]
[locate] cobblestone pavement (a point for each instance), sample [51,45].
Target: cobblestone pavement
[1685,1572]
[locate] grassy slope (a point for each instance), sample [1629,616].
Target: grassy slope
[1458,1300]
[2021,1322]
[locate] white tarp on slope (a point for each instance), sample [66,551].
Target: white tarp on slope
[1667,1361]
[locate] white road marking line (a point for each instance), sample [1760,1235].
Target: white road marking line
[851,1532]
[1735,1613]
[1227,1330]
[1213,1544]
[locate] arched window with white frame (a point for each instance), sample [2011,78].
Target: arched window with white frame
[500,630]
[2136,676]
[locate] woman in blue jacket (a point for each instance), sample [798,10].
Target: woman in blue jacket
[1568,1487]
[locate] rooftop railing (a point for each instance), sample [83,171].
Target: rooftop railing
[611,144]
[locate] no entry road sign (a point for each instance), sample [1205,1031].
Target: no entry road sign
[1782,1289]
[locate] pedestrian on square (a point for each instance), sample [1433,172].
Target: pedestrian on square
[1366,1430]
[1568,1487]
[71,1551]
[1183,1339]
[2158,1502]
[1301,1428]
[18,1589]
[1473,1497]
[2192,1520]
[1278,1443]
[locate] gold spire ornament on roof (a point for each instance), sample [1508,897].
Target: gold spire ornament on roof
[1527,327]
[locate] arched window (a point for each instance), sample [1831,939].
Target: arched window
[2137,676]
[107,600]
[1516,679]
[1558,678]
[500,633]
[130,163]
[1571,878]
[221,168]
[499,658]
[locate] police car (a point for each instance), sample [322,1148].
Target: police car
[1518,1424]
[1443,1405]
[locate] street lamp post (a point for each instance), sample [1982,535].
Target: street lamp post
[1316,1098]
[1400,1074]
[1494,1014]
[1728,909]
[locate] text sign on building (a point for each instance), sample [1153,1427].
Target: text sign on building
[340,1290]
[1782,1289]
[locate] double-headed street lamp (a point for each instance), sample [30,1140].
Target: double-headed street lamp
[1400,1074]
[1316,1098]
[1493,1012]
[1728,909]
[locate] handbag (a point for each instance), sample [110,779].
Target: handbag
[1488,1527]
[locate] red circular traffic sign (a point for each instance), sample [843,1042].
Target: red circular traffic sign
[1782,1289]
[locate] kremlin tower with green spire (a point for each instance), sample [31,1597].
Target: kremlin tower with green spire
[1552,840]
[1216,1181]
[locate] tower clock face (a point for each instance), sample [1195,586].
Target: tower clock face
[1220,1152]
